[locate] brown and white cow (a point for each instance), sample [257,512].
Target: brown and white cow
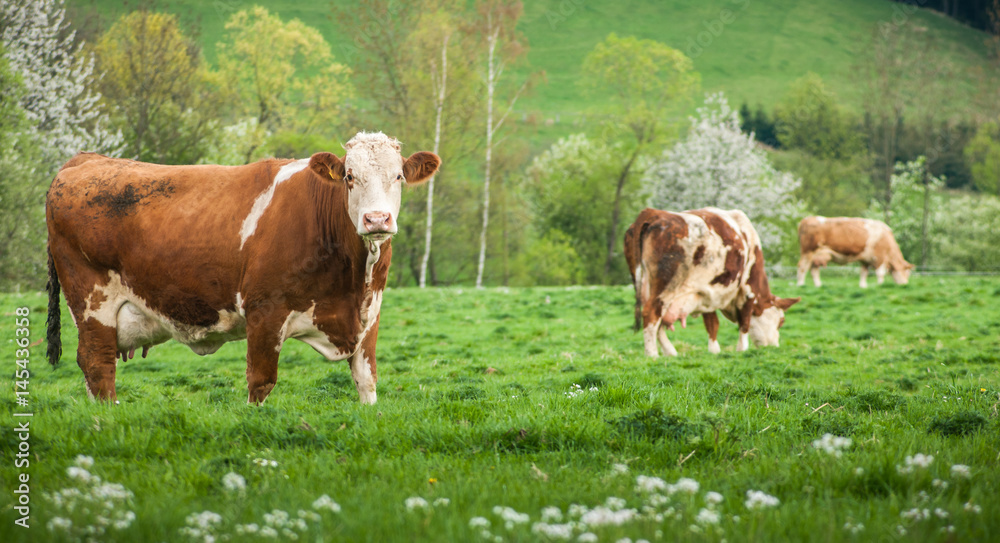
[269,251]
[700,262]
[848,239]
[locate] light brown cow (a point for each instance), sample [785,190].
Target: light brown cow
[273,250]
[848,239]
[700,262]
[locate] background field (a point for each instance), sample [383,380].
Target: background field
[477,405]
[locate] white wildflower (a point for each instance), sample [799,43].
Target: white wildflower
[76,472]
[587,537]
[603,516]
[649,484]
[859,471]
[939,484]
[624,540]
[688,486]
[233,482]
[553,531]
[759,500]
[510,516]
[854,528]
[961,471]
[479,522]
[268,531]
[973,508]
[707,516]
[619,469]
[941,513]
[59,523]
[614,503]
[832,445]
[84,461]
[919,460]
[324,502]
[415,502]
[550,514]
[916,514]
[442,502]
[713,498]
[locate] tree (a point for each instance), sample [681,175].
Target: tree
[983,156]
[639,83]
[564,189]
[284,74]
[498,21]
[718,165]
[916,198]
[966,228]
[809,118]
[156,81]
[61,108]
[899,80]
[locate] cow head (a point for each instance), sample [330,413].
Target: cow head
[901,272]
[373,172]
[764,328]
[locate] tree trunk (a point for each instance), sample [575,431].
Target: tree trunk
[490,87]
[616,214]
[439,104]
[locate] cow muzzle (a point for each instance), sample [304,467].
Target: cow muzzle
[377,225]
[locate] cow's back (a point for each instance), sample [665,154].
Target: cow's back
[846,236]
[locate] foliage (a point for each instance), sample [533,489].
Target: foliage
[474,407]
[549,261]
[284,74]
[983,154]
[760,125]
[809,118]
[830,187]
[916,198]
[564,189]
[62,109]
[966,231]
[639,86]
[718,165]
[156,81]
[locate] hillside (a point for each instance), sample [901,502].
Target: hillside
[753,57]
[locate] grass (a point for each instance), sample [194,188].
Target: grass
[479,404]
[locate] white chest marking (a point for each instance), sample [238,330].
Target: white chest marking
[264,199]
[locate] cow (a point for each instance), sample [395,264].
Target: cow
[848,239]
[268,251]
[699,262]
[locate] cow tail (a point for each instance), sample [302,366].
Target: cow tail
[53,322]
[640,277]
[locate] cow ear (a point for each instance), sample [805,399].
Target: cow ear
[784,303]
[420,167]
[327,166]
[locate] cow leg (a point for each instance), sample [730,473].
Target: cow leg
[363,367]
[804,265]
[263,348]
[864,276]
[649,338]
[652,321]
[712,327]
[743,343]
[880,273]
[743,319]
[97,356]
[815,276]
[668,348]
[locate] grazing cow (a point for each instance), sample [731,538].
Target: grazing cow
[697,262]
[848,239]
[205,255]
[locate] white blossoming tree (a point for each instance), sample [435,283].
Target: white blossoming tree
[718,165]
[59,102]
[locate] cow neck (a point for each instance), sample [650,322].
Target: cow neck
[336,231]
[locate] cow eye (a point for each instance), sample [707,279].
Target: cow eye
[399,177]
[349,177]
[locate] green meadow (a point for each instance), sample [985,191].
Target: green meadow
[532,414]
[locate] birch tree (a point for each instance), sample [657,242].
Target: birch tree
[498,20]
[439,78]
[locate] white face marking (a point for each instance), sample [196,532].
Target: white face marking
[764,329]
[300,325]
[361,371]
[138,325]
[374,162]
[264,199]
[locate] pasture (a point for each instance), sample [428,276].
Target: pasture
[541,398]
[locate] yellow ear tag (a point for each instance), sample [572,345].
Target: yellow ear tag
[331,174]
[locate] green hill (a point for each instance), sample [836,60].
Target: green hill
[752,51]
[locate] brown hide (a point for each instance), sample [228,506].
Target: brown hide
[173,234]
